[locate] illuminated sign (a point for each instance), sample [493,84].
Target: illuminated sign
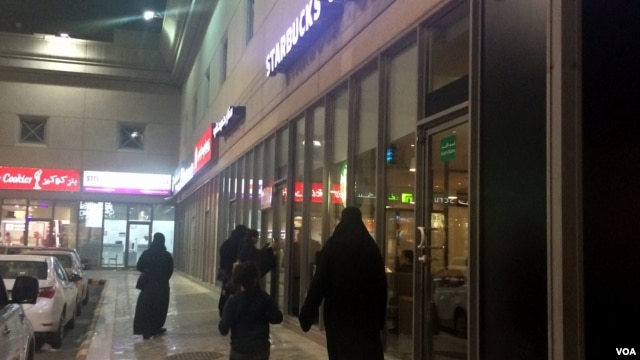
[126,183]
[317,193]
[202,151]
[233,117]
[181,177]
[406,198]
[15,178]
[304,29]
[265,197]
[448,148]
[205,150]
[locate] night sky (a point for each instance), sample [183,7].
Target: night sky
[81,19]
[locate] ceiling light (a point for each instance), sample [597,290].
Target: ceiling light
[148,15]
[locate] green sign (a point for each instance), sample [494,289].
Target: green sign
[393,197]
[448,148]
[407,198]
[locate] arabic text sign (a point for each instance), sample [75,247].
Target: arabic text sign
[126,183]
[448,148]
[14,178]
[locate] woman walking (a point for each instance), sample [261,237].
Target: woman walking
[156,266]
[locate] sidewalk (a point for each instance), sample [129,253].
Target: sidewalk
[192,325]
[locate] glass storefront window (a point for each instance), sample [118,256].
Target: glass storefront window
[163,221]
[140,212]
[366,151]
[338,141]
[90,232]
[14,214]
[257,185]
[240,190]
[282,153]
[40,209]
[247,184]
[316,234]
[115,231]
[298,214]
[65,216]
[448,74]
[399,192]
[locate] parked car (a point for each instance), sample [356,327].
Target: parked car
[55,307]
[14,249]
[450,297]
[17,341]
[70,261]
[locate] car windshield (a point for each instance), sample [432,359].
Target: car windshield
[13,269]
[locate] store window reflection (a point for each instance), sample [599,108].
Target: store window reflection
[298,219]
[14,213]
[163,221]
[66,215]
[366,154]
[338,141]
[399,201]
[115,233]
[90,232]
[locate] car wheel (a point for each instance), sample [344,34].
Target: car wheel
[56,337]
[79,308]
[85,301]
[460,324]
[31,350]
[72,322]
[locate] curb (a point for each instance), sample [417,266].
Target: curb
[83,350]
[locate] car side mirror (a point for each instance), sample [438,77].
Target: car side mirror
[25,290]
[74,277]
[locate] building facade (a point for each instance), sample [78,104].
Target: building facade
[85,128]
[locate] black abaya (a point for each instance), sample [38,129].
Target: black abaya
[153,301]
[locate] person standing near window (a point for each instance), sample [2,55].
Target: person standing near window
[351,280]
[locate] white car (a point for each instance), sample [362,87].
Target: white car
[70,261]
[17,341]
[450,297]
[55,308]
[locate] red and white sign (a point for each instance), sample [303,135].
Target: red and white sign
[14,178]
[202,151]
[317,193]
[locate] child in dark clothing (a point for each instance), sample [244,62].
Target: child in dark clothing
[248,314]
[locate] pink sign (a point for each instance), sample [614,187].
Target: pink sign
[14,178]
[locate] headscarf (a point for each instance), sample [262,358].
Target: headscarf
[351,225]
[158,242]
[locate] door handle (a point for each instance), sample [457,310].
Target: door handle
[422,237]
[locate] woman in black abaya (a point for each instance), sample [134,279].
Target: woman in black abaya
[350,280]
[153,302]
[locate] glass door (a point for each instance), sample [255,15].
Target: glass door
[137,241]
[444,243]
[273,229]
[41,233]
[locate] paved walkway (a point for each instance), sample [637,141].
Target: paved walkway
[192,325]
